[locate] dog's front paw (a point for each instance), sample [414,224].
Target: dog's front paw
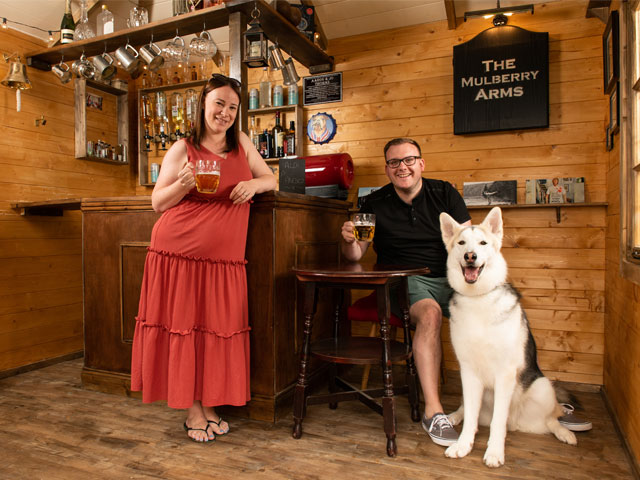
[567,436]
[459,449]
[494,458]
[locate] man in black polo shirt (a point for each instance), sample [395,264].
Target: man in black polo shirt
[408,233]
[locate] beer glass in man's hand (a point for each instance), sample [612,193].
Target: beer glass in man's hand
[207,175]
[364,226]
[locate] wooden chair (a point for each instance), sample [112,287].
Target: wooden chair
[365,310]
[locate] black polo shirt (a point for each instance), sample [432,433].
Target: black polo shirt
[410,234]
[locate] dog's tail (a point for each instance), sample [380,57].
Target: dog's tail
[563,396]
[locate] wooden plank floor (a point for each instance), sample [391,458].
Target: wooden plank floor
[51,428]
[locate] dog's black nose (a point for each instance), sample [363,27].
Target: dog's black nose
[470,257]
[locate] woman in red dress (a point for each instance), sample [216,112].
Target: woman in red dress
[191,341]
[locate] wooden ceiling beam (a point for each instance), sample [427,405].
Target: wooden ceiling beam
[450,8]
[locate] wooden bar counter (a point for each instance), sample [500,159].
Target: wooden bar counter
[285,230]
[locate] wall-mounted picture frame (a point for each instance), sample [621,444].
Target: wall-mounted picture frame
[614,110]
[610,53]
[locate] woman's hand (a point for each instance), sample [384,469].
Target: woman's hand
[186,177]
[243,192]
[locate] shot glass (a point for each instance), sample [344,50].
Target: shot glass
[207,175]
[364,226]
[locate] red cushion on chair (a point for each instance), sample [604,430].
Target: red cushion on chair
[366,310]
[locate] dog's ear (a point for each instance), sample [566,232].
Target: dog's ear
[493,222]
[449,227]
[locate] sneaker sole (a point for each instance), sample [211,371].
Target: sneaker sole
[577,428]
[443,442]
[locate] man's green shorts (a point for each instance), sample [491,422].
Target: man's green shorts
[421,287]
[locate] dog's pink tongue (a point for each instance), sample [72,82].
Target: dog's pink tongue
[471,274]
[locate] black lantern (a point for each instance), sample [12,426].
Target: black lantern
[255,43]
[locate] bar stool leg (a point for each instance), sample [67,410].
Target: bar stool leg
[299,399]
[388,401]
[412,376]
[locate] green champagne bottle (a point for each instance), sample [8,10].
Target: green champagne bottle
[67,26]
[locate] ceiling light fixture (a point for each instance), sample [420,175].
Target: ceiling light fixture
[499,14]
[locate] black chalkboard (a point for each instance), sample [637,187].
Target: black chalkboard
[322,88]
[292,175]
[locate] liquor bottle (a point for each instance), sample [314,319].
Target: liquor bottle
[291,139]
[176,78]
[161,120]
[268,147]
[253,133]
[265,88]
[177,115]
[105,21]
[146,109]
[278,137]
[194,73]
[191,104]
[67,26]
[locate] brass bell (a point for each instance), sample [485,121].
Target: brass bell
[17,76]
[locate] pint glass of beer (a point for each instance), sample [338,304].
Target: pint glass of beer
[364,226]
[207,175]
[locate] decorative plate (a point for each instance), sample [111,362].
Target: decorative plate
[321,128]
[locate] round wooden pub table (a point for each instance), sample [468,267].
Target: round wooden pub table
[357,350]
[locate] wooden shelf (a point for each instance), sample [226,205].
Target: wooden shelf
[47,208]
[557,206]
[275,26]
[122,118]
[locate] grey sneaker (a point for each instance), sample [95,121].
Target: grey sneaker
[571,421]
[440,429]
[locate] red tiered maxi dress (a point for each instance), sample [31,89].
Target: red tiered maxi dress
[191,338]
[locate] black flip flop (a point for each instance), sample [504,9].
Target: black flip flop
[217,424]
[188,429]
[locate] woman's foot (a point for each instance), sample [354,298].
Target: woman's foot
[197,426]
[219,426]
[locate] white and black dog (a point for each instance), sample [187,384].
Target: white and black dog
[502,384]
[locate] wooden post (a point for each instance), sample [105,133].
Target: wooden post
[237,69]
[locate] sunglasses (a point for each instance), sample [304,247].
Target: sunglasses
[223,78]
[395,162]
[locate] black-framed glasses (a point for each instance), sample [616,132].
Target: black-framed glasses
[223,78]
[408,161]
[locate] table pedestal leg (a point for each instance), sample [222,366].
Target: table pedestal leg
[299,408]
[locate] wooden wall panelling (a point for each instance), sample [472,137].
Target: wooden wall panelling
[40,257]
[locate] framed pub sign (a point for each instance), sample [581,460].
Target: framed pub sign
[501,81]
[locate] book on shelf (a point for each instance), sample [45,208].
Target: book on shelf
[555,190]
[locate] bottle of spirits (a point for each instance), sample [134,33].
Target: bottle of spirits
[253,133]
[265,88]
[105,21]
[278,137]
[161,120]
[194,73]
[268,148]
[147,119]
[176,77]
[83,29]
[291,139]
[191,105]
[177,115]
[67,26]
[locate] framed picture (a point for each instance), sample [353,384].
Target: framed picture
[609,140]
[614,111]
[610,53]
[500,192]
[94,101]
